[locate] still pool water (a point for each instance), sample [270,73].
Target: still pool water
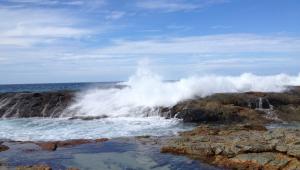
[116,154]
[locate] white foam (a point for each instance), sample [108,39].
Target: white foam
[45,129]
[145,91]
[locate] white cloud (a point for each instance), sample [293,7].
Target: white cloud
[115,15]
[224,43]
[175,5]
[26,27]
[86,3]
[239,62]
[45,31]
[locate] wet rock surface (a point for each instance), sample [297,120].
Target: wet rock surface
[27,104]
[53,145]
[34,167]
[3,147]
[240,146]
[253,107]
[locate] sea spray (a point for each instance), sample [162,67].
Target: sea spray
[45,129]
[145,91]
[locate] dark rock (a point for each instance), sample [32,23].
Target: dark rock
[253,107]
[3,148]
[44,104]
[201,110]
[88,117]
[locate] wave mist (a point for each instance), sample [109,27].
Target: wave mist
[145,91]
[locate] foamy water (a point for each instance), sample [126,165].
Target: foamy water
[146,91]
[131,109]
[45,129]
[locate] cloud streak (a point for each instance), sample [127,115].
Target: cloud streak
[176,5]
[54,3]
[104,39]
[223,43]
[28,27]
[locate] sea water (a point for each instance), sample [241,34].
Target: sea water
[130,108]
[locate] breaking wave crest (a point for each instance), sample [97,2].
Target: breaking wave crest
[145,91]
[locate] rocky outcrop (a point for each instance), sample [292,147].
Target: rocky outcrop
[240,147]
[53,145]
[254,107]
[43,104]
[3,148]
[201,110]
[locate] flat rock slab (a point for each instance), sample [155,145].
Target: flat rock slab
[240,146]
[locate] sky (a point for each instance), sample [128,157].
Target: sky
[48,41]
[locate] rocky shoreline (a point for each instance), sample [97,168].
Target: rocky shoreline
[232,131]
[39,104]
[140,152]
[240,146]
[253,107]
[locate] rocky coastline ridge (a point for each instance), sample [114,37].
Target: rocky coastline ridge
[247,107]
[231,130]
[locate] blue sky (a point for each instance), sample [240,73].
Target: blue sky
[103,40]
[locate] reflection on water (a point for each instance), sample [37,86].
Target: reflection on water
[290,125]
[115,154]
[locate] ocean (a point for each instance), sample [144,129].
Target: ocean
[121,121]
[129,108]
[115,110]
[54,87]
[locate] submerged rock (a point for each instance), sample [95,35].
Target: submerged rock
[240,146]
[34,167]
[88,117]
[3,148]
[53,145]
[49,146]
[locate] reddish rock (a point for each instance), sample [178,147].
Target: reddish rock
[73,168]
[73,142]
[240,146]
[49,146]
[52,146]
[34,167]
[257,94]
[101,140]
